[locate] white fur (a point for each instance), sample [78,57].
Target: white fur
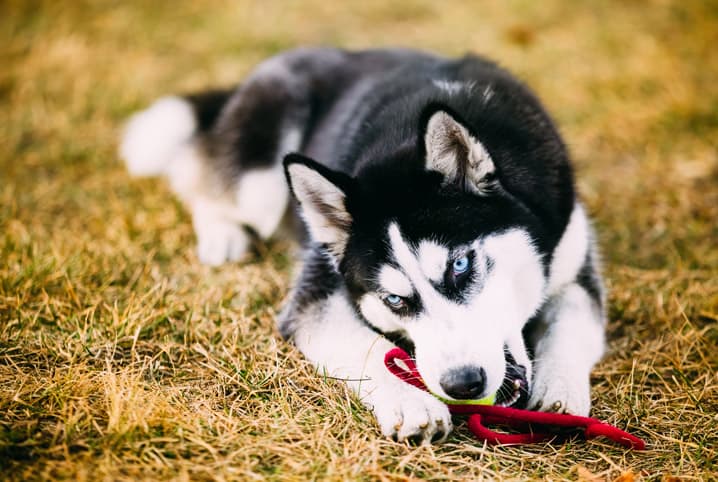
[395,282]
[330,333]
[159,140]
[432,260]
[565,354]
[516,258]
[260,200]
[308,184]
[291,141]
[449,335]
[373,308]
[152,137]
[342,346]
[487,94]
[409,264]
[219,239]
[571,251]
[493,317]
[186,173]
[262,194]
[453,87]
[450,86]
[262,197]
[442,133]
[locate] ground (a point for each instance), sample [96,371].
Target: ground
[122,358]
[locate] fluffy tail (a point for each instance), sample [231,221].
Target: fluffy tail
[153,137]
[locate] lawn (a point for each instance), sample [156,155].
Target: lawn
[123,358]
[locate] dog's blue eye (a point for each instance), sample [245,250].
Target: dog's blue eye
[461,265]
[395,301]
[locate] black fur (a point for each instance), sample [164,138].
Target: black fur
[318,280]
[590,280]
[208,105]
[386,150]
[363,115]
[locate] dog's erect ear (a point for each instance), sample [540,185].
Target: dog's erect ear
[458,155]
[322,195]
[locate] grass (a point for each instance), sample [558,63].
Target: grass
[122,358]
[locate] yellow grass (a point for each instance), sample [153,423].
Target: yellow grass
[122,358]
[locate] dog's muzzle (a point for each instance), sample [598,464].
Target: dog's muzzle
[514,391]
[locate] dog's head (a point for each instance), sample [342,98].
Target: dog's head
[436,252]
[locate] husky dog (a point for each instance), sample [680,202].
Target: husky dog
[441,215]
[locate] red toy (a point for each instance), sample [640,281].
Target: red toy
[525,420]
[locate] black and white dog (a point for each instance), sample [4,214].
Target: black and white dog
[440,207]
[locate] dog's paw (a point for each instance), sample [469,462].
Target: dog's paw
[557,389]
[220,242]
[409,414]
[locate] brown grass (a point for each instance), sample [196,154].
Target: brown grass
[122,358]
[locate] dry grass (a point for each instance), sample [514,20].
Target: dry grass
[122,358]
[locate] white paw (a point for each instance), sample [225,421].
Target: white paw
[220,242]
[557,388]
[407,413]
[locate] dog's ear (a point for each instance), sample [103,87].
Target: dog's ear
[322,196]
[454,152]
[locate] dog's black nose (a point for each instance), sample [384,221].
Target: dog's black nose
[464,383]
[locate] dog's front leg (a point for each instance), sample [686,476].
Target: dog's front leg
[570,343]
[330,334]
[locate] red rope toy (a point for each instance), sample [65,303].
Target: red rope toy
[520,419]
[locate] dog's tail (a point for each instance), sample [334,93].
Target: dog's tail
[154,136]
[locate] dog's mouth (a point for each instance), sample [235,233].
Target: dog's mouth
[514,391]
